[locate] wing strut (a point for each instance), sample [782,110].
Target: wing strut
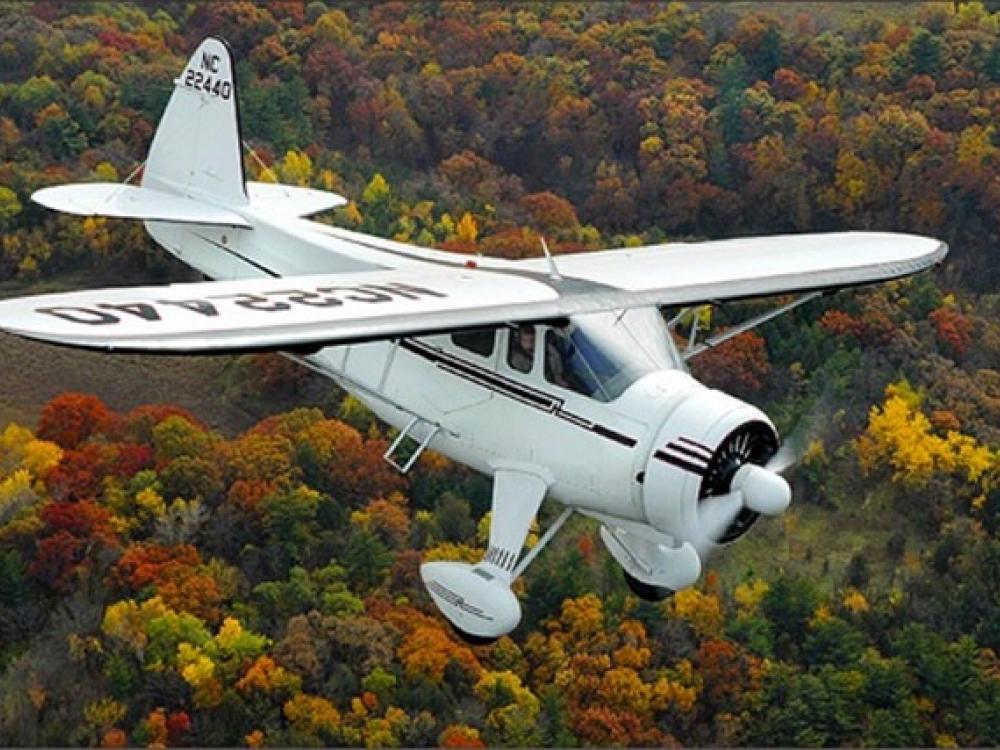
[553,268]
[694,350]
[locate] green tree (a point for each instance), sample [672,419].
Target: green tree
[13,586]
[789,604]
[289,516]
[925,51]
[819,709]
[833,641]
[379,207]
[32,96]
[367,560]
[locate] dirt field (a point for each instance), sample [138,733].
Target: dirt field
[32,373]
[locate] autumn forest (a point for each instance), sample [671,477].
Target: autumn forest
[173,576]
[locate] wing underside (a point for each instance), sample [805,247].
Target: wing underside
[303,312]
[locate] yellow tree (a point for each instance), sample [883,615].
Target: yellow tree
[427,650]
[198,671]
[900,435]
[313,715]
[512,709]
[467,230]
[703,611]
[296,168]
[266,676]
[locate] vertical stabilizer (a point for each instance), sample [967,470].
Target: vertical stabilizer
[196,150]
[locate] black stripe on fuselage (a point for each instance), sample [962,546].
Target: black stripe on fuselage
[696,455]
[680,463]
[695,444]
[527,395]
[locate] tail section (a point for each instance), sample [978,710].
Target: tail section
[194,193]
[196,152]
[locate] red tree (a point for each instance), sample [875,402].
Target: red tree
[77,531]
[739,365]
[71,418]
[953,328]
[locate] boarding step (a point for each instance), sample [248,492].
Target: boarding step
[393,454]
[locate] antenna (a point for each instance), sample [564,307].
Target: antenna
[553,269]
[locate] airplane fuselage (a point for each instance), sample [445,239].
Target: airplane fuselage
[476,406]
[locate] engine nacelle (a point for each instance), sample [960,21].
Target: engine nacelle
[700,447]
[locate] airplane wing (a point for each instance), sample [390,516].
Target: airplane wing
[685,273]
[301,312]
[277,313]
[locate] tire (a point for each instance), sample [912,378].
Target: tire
[645,591]
[472,640]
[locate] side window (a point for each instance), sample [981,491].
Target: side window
[479,341]
[521,353]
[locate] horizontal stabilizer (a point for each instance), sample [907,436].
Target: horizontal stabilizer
[120,201]
[290,200]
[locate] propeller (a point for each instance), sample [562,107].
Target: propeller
[792,449]
[715,515]
[743,482]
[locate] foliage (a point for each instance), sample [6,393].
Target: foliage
[162,583]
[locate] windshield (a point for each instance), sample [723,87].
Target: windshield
[600,355]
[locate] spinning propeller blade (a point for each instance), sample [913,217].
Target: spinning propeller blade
[808,427]
[715,514]
[787,456]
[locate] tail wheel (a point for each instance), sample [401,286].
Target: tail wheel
[645,591]
[750,443]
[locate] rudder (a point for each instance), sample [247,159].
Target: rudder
[196,151]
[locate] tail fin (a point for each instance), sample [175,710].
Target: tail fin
[194,171]
[196,151]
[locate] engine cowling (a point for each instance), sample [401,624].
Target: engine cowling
[701,446]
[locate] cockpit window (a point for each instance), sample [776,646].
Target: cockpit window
[521,353]
[479,341]
[602,354]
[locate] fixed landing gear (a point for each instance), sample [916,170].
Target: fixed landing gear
[477,599]
[645,591]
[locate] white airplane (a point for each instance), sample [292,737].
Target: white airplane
[557,378]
